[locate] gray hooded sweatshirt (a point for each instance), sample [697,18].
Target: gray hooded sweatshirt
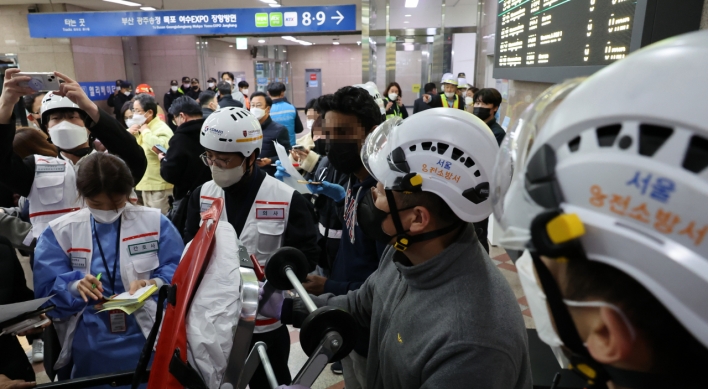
[451,322]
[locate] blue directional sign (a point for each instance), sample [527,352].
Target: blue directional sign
[100,90]
[283,20]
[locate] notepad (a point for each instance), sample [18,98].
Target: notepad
[126,302]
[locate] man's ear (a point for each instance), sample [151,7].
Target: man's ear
[419,218]
[610,340]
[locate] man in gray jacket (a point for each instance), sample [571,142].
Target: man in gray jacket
[441,314]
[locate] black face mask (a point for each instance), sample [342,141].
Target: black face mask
[344,156]
[370,219]
[482,113]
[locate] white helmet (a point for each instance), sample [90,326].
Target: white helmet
[448,78]
[462,83]
[52,102]
[232,130]
[455,164]
[634,173]
[374,92]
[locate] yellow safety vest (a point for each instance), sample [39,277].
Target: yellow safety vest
[456,104]
[394,107]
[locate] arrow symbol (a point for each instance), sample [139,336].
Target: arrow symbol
[339,18]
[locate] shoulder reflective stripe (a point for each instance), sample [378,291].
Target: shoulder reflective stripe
[72,250]
[272,202]
[266,322]
[209,198]
[67,210]
[139,236]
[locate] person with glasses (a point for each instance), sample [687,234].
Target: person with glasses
[181,165]
[151,133]
[266,213]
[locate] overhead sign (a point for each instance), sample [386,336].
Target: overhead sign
[100,90]
[285,20]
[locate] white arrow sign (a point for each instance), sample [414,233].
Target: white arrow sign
[339,16]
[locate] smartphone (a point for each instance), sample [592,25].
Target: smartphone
[159,149]
[298,147]
[40,82]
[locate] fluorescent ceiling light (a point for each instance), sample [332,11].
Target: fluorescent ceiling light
[285,51]
[148,9]
[261,41]
[288,38]
[231,45]
[358,43]
[408,16]
[269,1]
[123,2]
[405,21]
[335,43]
[274,5]
[411,3]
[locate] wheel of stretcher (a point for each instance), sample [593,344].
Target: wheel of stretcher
[282,258]
[326,319]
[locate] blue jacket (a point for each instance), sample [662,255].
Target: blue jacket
[284,113]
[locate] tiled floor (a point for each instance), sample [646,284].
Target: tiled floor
[327,379]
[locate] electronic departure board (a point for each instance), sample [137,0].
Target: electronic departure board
[544,34]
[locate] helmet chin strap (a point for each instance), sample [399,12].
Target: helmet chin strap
[403,239]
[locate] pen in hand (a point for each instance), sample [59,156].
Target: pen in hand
[98,278]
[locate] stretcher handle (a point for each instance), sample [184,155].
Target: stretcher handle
[270,374]
[257,268]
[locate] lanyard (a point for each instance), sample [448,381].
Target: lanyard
[111,276]
[350,207]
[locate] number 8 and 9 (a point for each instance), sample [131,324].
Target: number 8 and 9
[307,18]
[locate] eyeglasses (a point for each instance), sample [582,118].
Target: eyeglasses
[220,163]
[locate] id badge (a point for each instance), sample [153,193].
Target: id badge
[118,321]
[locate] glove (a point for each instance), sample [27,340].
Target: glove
[333,191]
[292,387]
[273,305]
[280,172]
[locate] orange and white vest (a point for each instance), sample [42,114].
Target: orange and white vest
[139,244]
[265,225]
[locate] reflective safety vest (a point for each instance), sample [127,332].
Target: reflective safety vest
[456,104]
[396,110]
[139,237]
[265,225]
[53,193]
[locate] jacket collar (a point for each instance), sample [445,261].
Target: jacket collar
[267,122]
[190,127]
[441,268]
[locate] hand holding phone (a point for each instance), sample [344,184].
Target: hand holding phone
[159,149]
[39,82]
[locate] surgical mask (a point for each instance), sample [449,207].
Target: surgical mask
[138,119]
[392,96]
[67,135]
[127,93]
[536,299]
[310,122]
[211,84]
[469,100]
[482,113]
[186,86]
[227,177]
[106,216]
[450,95]
[244,91]
[174,88]
[258,112]
[344,156]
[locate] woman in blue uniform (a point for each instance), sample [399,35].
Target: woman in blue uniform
[129,246]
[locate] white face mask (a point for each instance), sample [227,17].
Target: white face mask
[450,95]
[244,91]
[127,93]
[106,217]
[469,100]
[138,119]
[67,135]
[258,112]
[310,122]
[211,84]
[393,96]
[186,86]
[174,88]
[227,177]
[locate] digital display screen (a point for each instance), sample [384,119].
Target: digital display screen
[562,33]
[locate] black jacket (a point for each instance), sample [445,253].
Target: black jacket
[395,109]
[117,101]
[18,173]
[436,101]
[300,231]
[193,93]
[273,131]
[181,165]
[13,289]
[206,112]
[170,97]
[228,101]
[498,131]
[419,105]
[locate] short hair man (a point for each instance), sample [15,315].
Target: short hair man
[243,88]
[419,105]
[122,95]
[194,89]
[207,100]
[486,105]
[283,112]
[261,107]
[153,131]
[226,99]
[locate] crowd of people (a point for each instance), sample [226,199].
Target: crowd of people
[394,226]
